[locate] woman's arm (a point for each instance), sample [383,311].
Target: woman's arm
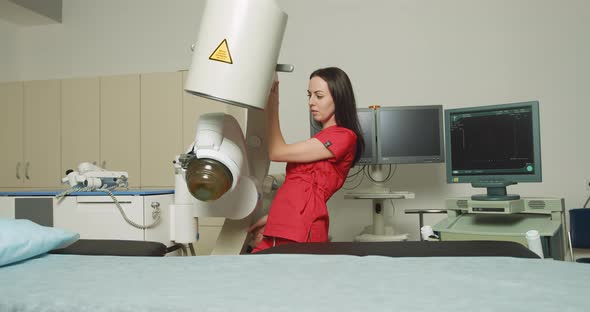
[304,151]
[257,230]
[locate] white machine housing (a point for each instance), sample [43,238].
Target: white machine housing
[236,52]
[234,61]
[93,177]
[220,138]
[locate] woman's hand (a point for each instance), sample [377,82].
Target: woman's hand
[257,229]
[273,96]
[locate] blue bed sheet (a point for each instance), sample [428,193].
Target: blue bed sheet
[292,283]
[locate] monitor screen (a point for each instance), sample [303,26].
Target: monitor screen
[494,144]
[366,118]
[410,134]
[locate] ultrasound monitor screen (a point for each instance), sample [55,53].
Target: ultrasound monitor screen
[492,142]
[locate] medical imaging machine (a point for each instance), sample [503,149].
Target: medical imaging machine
[221,172]
[493,147]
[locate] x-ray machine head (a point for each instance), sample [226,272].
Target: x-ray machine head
[221,173]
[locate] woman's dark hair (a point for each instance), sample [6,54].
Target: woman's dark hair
[344,103]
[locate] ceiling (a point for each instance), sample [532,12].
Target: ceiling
[31,12]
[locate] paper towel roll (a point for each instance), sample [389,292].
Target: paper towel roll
[427,233]
[534,241]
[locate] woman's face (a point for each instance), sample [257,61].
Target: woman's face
[320,102]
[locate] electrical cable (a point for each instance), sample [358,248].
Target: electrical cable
[155,213]
[357,185]
[354,177]
[368,173]
[356,173]
[392,205]
[387,178]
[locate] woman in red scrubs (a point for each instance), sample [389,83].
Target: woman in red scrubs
[316,168]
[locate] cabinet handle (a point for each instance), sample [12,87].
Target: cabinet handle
[18,170]
[155,210]
[27,165]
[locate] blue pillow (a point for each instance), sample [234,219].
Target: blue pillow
[23,239]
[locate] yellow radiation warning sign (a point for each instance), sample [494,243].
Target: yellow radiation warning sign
[221,53]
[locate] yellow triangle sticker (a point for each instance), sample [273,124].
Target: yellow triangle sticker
[221,53]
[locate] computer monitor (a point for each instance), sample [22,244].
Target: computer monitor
[366,118]
[493,146]
[410,134]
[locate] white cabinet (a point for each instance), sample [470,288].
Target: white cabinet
[97,217]
[6,208]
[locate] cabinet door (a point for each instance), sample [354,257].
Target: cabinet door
[161,127]
[42,142]
[120,125]
[80,122]
[11,154]
[97,217]
[7,207]
[161,232]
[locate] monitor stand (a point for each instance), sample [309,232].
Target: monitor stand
[495,191]
[378,193]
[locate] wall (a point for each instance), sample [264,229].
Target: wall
[404,52]
[8,33]
[111,37]
[50,9]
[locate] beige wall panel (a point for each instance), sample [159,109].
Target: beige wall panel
[11,153]
[161,127]
[80,122]
[120,125]
[42,134]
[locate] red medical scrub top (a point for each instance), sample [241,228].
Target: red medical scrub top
[298,211]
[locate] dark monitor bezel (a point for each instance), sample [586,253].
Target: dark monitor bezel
[492,178]
[415,159]
[316,127]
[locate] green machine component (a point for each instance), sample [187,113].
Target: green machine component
[507,220]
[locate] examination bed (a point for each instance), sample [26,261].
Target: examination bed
[320,277]
[409,249]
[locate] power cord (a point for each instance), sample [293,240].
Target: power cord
[387,178]
[355,175]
